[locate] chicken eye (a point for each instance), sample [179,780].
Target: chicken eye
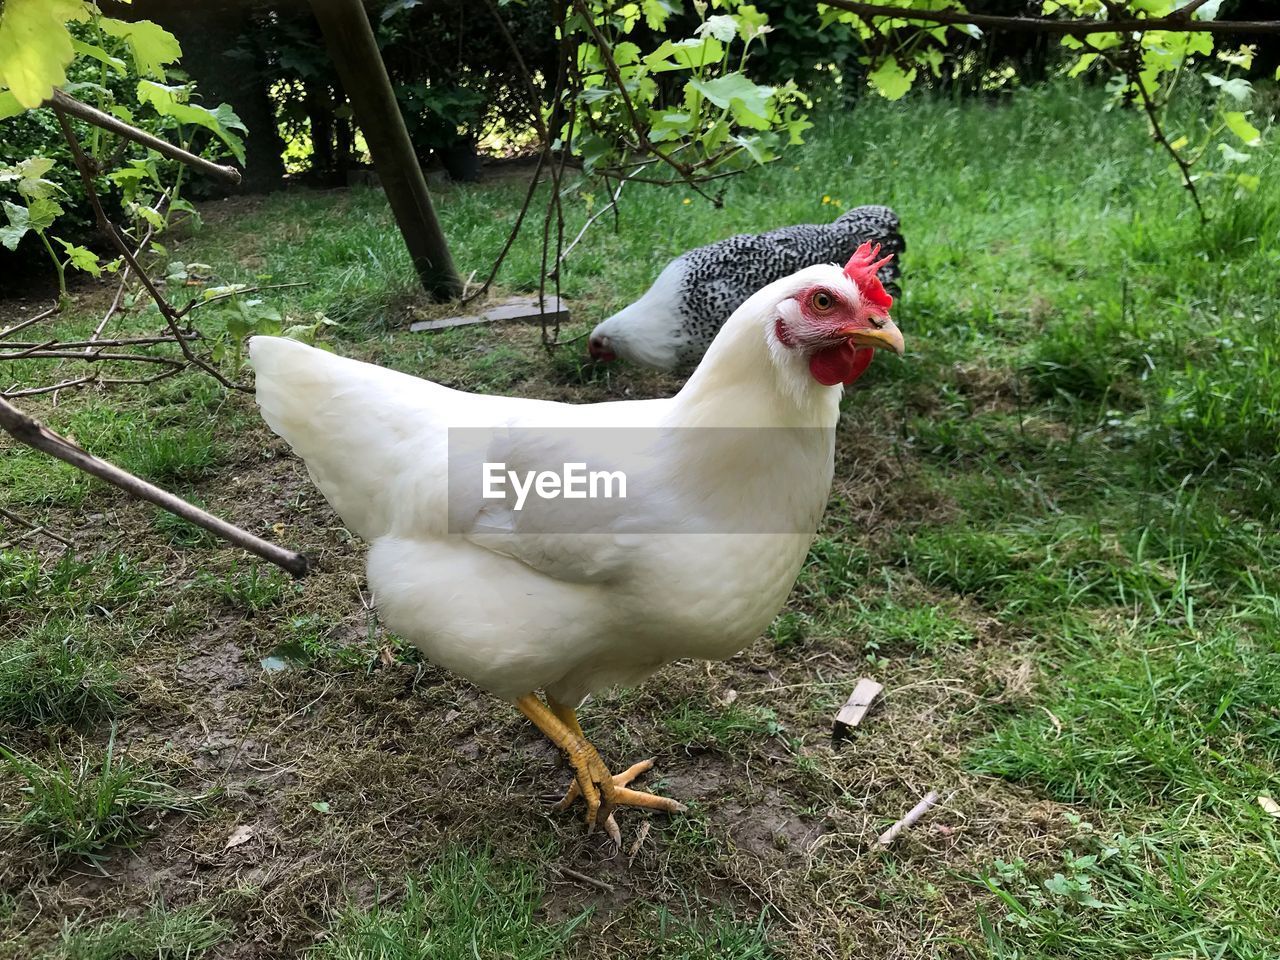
[822,301]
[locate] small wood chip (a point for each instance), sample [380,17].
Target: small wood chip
[519,308]
[635,847]
[583,878]
[916,812]
[855,708]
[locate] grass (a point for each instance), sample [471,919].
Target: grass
[466,906]
[160,934]
[81,807]
[57,674]
[1052,538]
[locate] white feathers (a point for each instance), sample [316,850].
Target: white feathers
[651,331]
[516,604]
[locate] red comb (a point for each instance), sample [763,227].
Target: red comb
[861,269]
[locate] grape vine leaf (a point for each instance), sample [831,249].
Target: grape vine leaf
[152,45]
[35,46]
[171,102]
[82,258]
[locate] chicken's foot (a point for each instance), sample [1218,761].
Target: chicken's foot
[602,791]
[612,787]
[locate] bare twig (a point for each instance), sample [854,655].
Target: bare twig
[33,529]
[612,204]
[635,847]
[39,353]
[62,103]
[170,315]
[1131,65]
[95,344]
[183,311]
[914,814]
[50,388]
[583,878]
[124,275]
[31,432]
[1179,21]
[43,315]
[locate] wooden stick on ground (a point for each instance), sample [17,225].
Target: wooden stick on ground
[33,529]
[914,814]
[570,874]
[34,434]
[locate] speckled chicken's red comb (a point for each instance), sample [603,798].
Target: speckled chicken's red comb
[861,269]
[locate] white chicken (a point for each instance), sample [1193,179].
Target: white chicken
[570,598]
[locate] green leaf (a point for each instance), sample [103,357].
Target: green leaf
[171,102]
[152,216]
[1249,181]
[19,224]
[152,45]
[1236,122]
[685,54]
[42,211]
[1084,63]
[35,46]
[748,100]
[890,80]
[29,175]
[656,13]
[1232,155]
[82,258]
[9,105]
[97,53]
[722,26]
[1238,88]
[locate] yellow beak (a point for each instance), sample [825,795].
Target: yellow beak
[887,336]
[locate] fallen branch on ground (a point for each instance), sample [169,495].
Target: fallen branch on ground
[33,529]
[914,814]
[31,432]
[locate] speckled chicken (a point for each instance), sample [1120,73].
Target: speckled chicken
[677,318]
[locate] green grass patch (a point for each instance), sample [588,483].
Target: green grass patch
[719,726]
[160,934]
[1151,715]
[59,672]
[1162,893]
[81,807]
[465,906]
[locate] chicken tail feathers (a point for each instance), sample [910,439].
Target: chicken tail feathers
[354,424]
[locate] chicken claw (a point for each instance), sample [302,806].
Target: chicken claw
[603,792]
[616,794]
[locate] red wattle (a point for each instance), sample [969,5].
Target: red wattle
[840,363]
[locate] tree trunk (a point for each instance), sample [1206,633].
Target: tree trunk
[354,50]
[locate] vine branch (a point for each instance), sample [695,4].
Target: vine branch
[1179,21]
[31,432]
[63,103]
[85,166]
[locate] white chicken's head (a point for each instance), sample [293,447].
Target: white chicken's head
[833,320]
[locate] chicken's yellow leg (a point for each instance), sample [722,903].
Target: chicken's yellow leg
[587,765]
[613,786]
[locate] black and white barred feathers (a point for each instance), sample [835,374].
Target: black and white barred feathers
[675,321]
